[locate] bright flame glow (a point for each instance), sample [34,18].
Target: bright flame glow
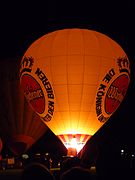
[75,141]
[74,144]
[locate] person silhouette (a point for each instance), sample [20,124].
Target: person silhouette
[36,170]
[76,173]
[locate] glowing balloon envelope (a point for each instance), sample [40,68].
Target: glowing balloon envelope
[75,79]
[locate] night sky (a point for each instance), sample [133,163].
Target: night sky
[21,23]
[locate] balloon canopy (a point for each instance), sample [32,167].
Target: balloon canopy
[75,79]
[20,126]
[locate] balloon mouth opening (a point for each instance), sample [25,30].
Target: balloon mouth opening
[74,142]
[74,145]
[20,143]
[18,147]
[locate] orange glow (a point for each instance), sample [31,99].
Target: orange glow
[75,79]
[76,141]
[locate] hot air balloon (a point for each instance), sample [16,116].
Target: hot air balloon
[74,79]
[20,126]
